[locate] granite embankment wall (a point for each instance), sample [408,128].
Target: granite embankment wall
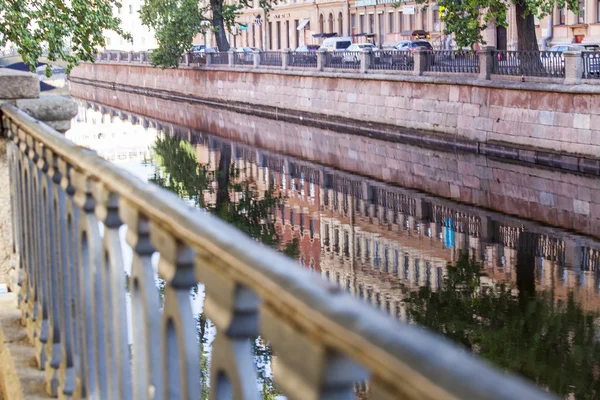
[552,117]
[567,200]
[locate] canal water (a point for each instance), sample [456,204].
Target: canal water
[523,295]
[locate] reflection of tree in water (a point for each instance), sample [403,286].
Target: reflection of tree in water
[554,343]
[178,170]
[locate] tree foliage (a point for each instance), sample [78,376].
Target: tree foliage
[67,30]
[467,19]
[552,342]
[177,22]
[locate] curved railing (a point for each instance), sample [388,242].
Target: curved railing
[68,208]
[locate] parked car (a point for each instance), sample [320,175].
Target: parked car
[411,45]
[336,43]
[566,47]
[197,48]
[306,53]
[353,55]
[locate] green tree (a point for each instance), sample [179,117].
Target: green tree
[467,19]
[68,30]
[552,342]
[177,22]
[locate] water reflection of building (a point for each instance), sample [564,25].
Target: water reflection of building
[379,241]
[114,135]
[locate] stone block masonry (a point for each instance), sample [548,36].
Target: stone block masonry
[550,117]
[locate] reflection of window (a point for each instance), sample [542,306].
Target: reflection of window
[581,15]
[562,18]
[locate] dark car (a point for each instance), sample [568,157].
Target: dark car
[305,54]
[411,45]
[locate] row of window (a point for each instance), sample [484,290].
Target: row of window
[562,13]
[397,22]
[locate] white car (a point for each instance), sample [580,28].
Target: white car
[352,53]
[247,55]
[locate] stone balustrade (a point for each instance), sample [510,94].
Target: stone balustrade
[68,208]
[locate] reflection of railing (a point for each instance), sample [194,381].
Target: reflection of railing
[69,207]
[591,64]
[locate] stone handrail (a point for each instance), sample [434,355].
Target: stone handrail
[73,304]
[568,67]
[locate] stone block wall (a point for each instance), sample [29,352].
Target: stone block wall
[566,200]
[551,117]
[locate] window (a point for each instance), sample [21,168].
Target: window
[424,20]
[362,23]
[353,23]
[287,34]
[340,24]
[581,15]
[400,22]
[119,10]
[391,23]
[411,22]
[562,18]
[270,32]
[130,9]
[371,23]
[278,26]
[321,23]
[296,33]
[598,10]
[436,21]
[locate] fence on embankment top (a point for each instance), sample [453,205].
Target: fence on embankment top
[542,66]
[69,206]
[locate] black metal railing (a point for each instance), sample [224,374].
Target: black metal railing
[135,56]
[304,59]
[343,60]
[271,58]
[113,56]
[548,64]
[198,58]
[392,60]
[591,64]
[220,58]
[245,58]
[453,61]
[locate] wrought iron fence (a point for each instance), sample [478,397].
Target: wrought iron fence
[69,208]
[113,56]
[591,64]
[306,59]
[453,61]
[245,58]
[549,64]
[135,56]
[220,58]
[271,58]
[342,59]
[392,60]
[198,58]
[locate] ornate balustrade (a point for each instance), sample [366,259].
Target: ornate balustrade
[68,208]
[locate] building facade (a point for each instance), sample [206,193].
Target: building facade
[564,26]
[143,38]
